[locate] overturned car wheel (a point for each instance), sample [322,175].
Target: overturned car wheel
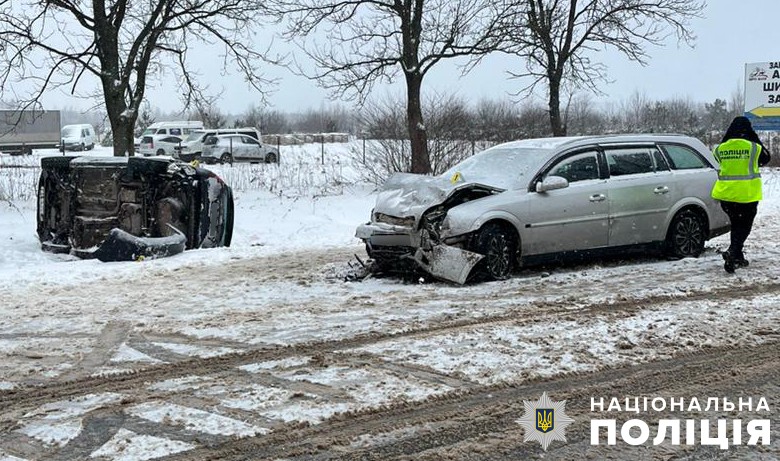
[498,245]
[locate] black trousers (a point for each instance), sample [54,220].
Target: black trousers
[741,216]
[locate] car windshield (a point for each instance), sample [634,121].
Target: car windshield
[194,136]
[149,131]
[503,167]
[71,131]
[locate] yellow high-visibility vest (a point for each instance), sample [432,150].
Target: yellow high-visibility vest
[739,179]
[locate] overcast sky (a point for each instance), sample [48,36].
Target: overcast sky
[731,34]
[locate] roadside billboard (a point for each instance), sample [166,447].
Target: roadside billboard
[762,95]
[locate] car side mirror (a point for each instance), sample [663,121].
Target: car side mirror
[552,183]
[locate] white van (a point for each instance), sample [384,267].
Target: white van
[78,137]
[162,129]
[182,128]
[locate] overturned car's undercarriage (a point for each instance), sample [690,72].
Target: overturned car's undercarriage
[117,208]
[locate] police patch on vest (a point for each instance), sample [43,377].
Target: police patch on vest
[733,154]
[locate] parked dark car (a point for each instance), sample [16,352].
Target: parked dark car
[119,209]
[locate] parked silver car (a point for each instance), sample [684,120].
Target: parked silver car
[192,146]
[522,202]
[158,145]
[226,148]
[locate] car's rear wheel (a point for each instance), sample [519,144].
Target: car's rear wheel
[687,234]
[160,152]
[499,246]
[270,157]
[226,158]
[82,148]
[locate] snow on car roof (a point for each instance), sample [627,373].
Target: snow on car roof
[554,143]
[542,143]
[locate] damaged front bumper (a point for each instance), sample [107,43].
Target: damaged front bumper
[447,262]
[123,246]
[441,260]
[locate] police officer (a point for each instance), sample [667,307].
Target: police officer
[738,187]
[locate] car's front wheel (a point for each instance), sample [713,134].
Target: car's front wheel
[686,235]
[499,247]
[226,158]
[270,157]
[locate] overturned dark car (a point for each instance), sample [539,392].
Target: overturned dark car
[124,209]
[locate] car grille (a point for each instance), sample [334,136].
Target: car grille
[394,220]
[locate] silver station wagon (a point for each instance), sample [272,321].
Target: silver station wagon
[530,201]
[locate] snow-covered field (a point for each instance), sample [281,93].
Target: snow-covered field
[279,285]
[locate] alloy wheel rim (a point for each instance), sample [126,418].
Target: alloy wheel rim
[689,236]
[498,256]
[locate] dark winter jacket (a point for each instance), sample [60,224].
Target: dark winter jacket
[741,128]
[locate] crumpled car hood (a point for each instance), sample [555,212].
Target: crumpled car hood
[410,195]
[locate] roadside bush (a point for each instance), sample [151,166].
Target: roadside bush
[297,179]
[18,178]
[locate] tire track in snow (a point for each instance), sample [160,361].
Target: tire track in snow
[481,422]
[24,398]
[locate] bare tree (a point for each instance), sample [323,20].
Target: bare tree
[268,121]
[555,38]
[369,41]
[671,116]
[145,119]
[274,121]
[449,125]
[737,101]
[207,111]
[123,44]
[717,116]
[532,122]
[324,120]
[495,121]
[387,150]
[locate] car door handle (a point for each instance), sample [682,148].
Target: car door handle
[661,190]
[598,198]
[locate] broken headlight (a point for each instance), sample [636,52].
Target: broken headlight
[432,221]
[394,220]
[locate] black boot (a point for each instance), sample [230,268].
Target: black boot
[729,264]
[740,261]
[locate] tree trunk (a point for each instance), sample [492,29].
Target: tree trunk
[556,124]
[121,118]
[421,162]
[122,130]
